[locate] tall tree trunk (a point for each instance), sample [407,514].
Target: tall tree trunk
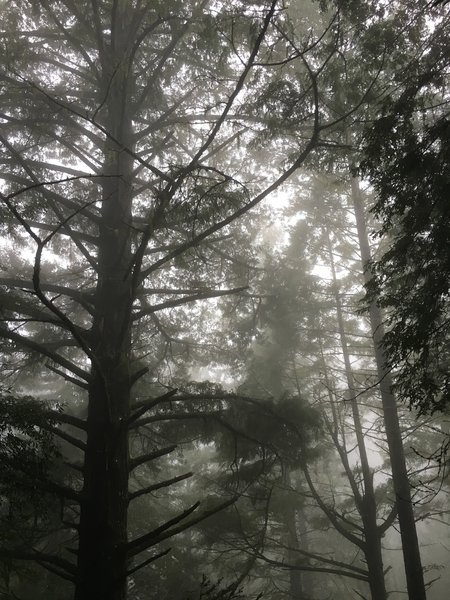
[410,543]
[366,502]
[293,543]
[102,560]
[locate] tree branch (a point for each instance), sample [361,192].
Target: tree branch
[35,555]
[311,569]
[61,417]
[148,561]
[65,436]
[73,380]
[36,347]
[135,462]
[158,486]
[56,571]
[148,406]
[145,541]
[187,299]
[390,519]
[181,528]
[330,514]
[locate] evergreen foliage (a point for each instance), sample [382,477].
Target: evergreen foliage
[407,160]
[191,405]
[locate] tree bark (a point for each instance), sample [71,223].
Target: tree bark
[365,502]
[410,544]
[102,560]
[290,520]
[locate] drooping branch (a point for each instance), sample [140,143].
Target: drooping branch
[185,416]
[40,245]
[59,490]
[40,482]
[36,347]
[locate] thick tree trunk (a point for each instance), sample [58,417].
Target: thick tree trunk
[102,560]
[366,502]
[410,543]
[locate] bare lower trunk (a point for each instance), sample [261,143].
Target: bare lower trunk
[366,502]
[410,543]
[103,520]
[293,543]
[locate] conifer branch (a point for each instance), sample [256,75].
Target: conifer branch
[147,540]
[135,462]
[148,561]
[36,347]
[146,406]
[158,486]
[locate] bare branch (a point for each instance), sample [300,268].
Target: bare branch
[148,561]
[312,569]
[66,437]
[158,486]
[332,516]
[135,462]
[61,567]
[145,541]
[389,521]
[77,382]
[171,532]
[62,417]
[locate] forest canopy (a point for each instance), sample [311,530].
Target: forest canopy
[224,287]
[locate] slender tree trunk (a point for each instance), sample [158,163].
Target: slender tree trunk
[290,520]
[366,502]
[410,543]
[102,560]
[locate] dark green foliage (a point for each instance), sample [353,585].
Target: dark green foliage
[408,163]
[27,456]
[26,446]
